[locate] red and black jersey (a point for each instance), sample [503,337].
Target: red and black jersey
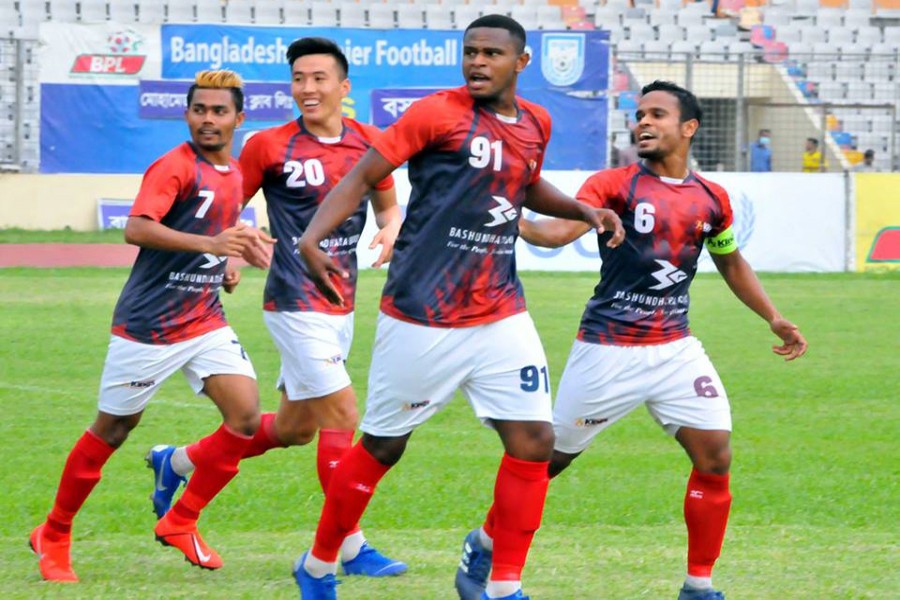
[642,297]
[454,260]
[296,170]
[173,296]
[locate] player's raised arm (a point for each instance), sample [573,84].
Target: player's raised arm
[337,207]
[388,218]
[543,197]
[746,286]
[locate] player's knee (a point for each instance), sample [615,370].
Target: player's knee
[715,460]
[114,429]
[386,450]
[559,462]
[245,421]
[296,434]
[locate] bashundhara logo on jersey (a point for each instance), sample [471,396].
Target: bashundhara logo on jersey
[562,57]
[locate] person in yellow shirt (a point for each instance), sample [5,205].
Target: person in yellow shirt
[812,157]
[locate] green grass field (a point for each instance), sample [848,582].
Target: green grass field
[815,478]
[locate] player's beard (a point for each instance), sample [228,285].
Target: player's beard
[654,154]
[212,147]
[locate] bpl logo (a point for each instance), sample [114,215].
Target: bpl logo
[121,57]
[562,57]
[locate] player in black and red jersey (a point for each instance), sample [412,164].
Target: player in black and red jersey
[296,165]
[169,318]
[453,312]
[634,346]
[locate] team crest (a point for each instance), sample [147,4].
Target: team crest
[562,57]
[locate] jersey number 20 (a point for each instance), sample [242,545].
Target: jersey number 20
[302,172]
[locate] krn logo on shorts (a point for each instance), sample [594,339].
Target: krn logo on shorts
[562,57]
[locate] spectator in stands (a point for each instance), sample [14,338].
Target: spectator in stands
[812,157]
[761,153]
[868,163]
[627,155]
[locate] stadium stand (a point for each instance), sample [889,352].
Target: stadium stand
[839,57]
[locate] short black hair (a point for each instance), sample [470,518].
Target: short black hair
[317,45]
[814,141]
[869,154]
[516,31]
[688,105]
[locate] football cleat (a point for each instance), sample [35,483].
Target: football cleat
[314,588]
[54,561]
[188,540]
[474,568]
[689,593]
[519,595]
[165,480]
[372,563]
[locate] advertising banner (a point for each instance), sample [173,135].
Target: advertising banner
[112,105]
[877,221]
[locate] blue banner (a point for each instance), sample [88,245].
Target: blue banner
[95,127]
[262,101]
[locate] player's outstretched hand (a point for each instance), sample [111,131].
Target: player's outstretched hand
[385,237]
[259,252]
[794,345]
[320,268]
[233,240]
[232,279]
[604,219]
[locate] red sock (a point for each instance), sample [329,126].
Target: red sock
[519,503]
[265,438]
[489,521]
[706,506]
[79,476]
[349,491]
[216,460]
[333,445]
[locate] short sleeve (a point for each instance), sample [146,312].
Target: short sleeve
[372,133]
[414,130]
[252,161]
[160,188]
[599,191]
[546,125]
[724,217]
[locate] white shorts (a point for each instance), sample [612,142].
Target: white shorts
[500,368]
[601,384]
[134,371]
[313,348]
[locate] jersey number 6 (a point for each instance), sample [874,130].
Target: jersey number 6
[643,217]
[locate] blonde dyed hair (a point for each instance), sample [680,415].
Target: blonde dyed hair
[220,79]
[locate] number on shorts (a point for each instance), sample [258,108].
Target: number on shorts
[705,388]
[531,378]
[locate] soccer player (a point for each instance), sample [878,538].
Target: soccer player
[297,164]
[169,318]
[453,312]
[634,346]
